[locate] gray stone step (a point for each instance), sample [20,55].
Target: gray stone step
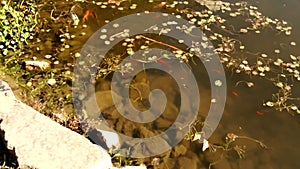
[42,143]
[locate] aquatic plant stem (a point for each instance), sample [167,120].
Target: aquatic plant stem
[158,42]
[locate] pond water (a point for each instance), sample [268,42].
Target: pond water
[276,129]
[244,113]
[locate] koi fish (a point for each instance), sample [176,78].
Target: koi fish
[216,71]
[87,14]
[162,4]
[163,62]
[235,93]
[156,17]
[259,113]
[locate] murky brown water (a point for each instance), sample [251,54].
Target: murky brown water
[244,114]
[276,129]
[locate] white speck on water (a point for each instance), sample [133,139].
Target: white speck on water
[218,83]
[103,36]
[51,82]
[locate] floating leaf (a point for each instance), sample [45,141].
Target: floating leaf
[288,33]
[51,82]
[205,145]
[294,108]
[277,51]
[293,57]
[218,83]
[264,55]
[279,84]
[293,43]
[243,30]
[197,136]
[270,104]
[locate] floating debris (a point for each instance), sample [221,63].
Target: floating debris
[269,104]
[277,51]
[205,145]
[116,2]
[39,65]
[218,83]
[75,19]
[293,43]
[133,6]
[242,30]
[77,55]
[51,82]
[231,136]
[264,55]
[48,56]
[29,84]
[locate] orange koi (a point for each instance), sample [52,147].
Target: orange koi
[163,62]
[87,14]
[216,71]
[162,4]
[156,17]
[235,93]
[259,113]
